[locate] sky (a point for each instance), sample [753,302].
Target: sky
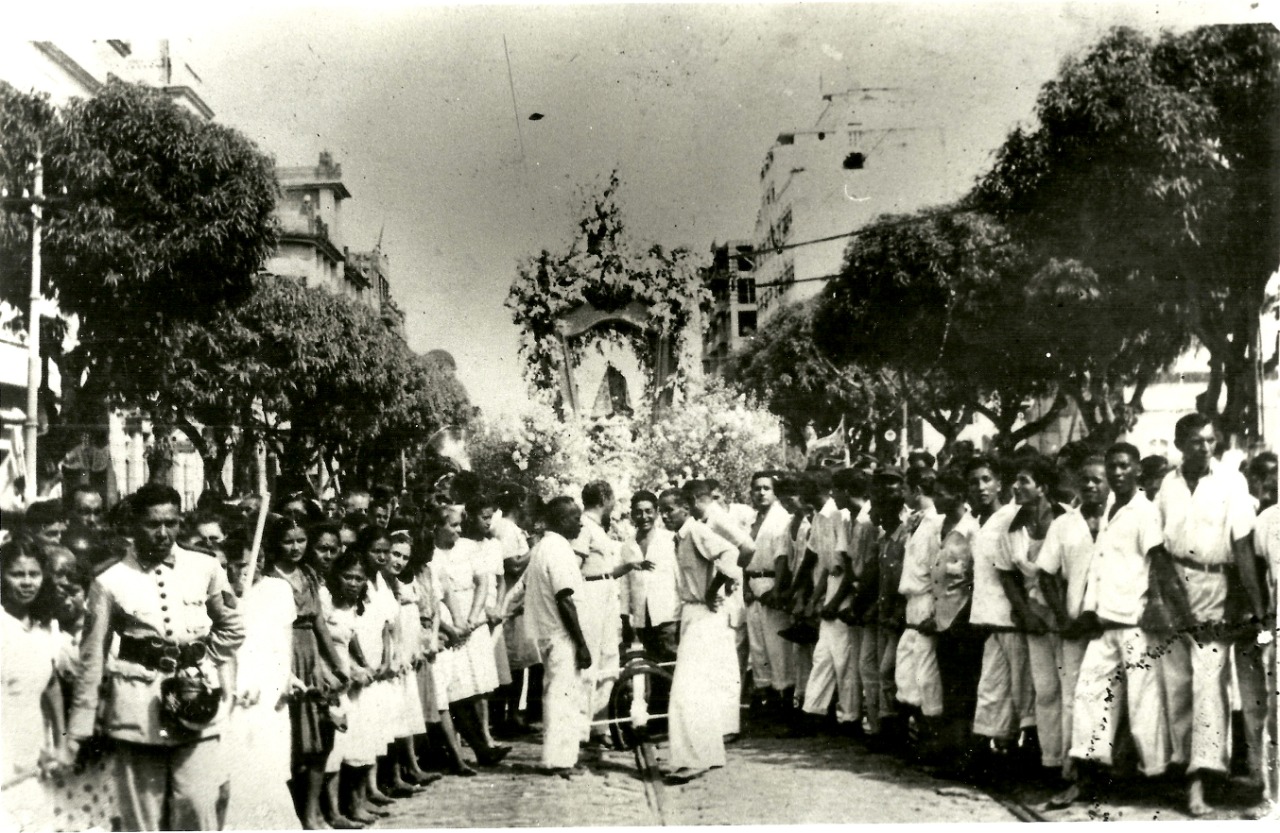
[416,104]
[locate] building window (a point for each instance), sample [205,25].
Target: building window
[746,291]
[746,323]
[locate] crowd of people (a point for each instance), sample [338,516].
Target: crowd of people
[1053,618]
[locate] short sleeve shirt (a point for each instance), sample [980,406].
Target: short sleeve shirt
[773,541]
[700,553]
[1117,587]
[990,604]
[1201,526]
[600,551]
[1068,550]
[553,568]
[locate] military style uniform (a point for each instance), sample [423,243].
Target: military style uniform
[146,623]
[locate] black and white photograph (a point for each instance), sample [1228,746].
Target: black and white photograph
[566,415]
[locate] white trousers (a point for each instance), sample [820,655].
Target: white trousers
[1118,671]
[1195,683]
[772,657]
[1005,699]
[917,676]
[563,717]
[835,672]
[696,719]
[598,614]
[1044,655]
[1068,678]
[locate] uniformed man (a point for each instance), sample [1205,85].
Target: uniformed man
[170,616]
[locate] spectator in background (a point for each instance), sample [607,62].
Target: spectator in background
[1152,474]
[44,522]
[84,507]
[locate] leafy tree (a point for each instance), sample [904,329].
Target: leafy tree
[784,367]
[937,297]
[158,219]
[1153,166]
[319,377]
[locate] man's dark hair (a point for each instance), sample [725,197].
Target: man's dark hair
[1041,468]
[923,479]
[1092,460]
[952,480]
[769,473]
[922,456]
[680,496]
[643,496]
[715,484]
[820,478]
[1154,465]
[1131,450]
[982,461]
[596,494]
[153,494]
[853,481]
[199,518]
[43,513]
[381,494]
[1189,424]
[696,489]
[558,510]
[1258,465]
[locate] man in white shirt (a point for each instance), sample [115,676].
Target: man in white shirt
[600,608]
[1266,542]
[1119,656]
[552,581]
[1005,701]
[706,563]
[1063,572]
[772,658]
[652,602]
[836,671]
[710,512]
[1207,517]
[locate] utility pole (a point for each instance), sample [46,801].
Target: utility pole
[31,427]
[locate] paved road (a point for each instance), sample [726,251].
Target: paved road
[767,781]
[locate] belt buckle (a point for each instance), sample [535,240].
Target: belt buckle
[170,655]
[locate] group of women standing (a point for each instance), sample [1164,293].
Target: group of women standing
[370,652]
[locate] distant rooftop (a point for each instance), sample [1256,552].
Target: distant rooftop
[327,172]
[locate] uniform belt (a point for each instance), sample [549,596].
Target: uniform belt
[759,573]
[600,577]
[161,654]
[1216,569]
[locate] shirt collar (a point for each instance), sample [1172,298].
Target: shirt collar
[169,560]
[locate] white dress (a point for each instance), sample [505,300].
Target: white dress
[413,722]
[384,697]
[257,740]
[27,802]
[342,625]
[474,671]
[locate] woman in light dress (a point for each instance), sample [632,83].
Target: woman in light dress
[410,659]
[458,566]
[342,602]
[32,720]
[259,729]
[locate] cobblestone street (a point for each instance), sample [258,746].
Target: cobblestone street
[769,780]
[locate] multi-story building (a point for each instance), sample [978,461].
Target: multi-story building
[731,280]
[67,69]
[862,158]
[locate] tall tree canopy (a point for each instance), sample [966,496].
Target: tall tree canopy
[319,377]
[157,217]
[1154,164]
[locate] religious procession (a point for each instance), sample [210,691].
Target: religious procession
[942,490]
